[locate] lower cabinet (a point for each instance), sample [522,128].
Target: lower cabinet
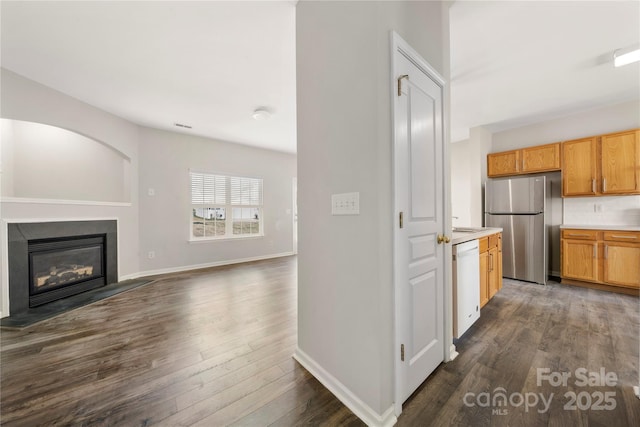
[490,267]
[484,278]
[580,259]
[603,259]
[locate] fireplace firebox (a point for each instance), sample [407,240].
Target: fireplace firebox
[63,267]
[53,260]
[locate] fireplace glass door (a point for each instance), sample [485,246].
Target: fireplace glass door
[71,264]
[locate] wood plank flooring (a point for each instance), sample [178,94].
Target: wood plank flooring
[213,347]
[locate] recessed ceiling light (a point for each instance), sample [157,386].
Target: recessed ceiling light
[261,113]
[626,56]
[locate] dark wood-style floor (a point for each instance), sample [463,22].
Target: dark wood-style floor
[213,347]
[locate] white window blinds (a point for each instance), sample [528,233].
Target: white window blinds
[208,189]
[246,191]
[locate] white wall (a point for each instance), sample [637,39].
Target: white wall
[461,180]
[613,118]
[165,160]
[468,174]
[24,99]
[345,283]
[48,162]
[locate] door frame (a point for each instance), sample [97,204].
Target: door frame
[400,47]
[294,214]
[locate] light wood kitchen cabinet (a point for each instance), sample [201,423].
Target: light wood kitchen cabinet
[620,162]
[604,259]
[499,261]
[504,163]
[622,258]
[493,272]
[603,165]
[580,259]
[540,158]
[490,267]
[484,278]
[579,169]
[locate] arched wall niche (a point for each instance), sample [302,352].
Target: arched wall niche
[43,162]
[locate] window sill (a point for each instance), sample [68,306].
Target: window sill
[225,239]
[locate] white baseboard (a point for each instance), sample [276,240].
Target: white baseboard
[339,390]
[452,353]
[200,266]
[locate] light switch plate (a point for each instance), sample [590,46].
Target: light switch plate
[345,204]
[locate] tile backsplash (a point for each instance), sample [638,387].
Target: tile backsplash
[612,210]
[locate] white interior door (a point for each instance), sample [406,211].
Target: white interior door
[419,197]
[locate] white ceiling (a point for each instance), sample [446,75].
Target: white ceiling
[205,64]
[517,63]
[209,64]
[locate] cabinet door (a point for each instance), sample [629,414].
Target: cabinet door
[499,261]
[505,163]
[579,260]
[541,158]
[622,264]
[579,167]
[484,278]
[620,163]
[493,272]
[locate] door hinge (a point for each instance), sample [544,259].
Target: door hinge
[401,220]
[402,352]
[404,76]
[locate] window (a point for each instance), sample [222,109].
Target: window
[225,207]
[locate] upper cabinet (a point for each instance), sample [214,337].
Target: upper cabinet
[579,171]
[620,162]
[505,163]
[596,166]
[604,165]
[541,158]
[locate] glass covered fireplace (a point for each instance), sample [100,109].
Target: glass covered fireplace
[62,267]
[52,260]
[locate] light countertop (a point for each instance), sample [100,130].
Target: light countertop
[603,227]
[461,237]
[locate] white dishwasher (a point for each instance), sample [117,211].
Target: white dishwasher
[466,286]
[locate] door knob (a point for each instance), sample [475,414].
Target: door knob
[443,238]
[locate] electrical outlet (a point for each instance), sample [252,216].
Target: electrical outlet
[151,255]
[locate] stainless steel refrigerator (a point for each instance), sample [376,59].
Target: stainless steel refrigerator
[518,206]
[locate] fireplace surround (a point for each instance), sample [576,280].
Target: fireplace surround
[52,260]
